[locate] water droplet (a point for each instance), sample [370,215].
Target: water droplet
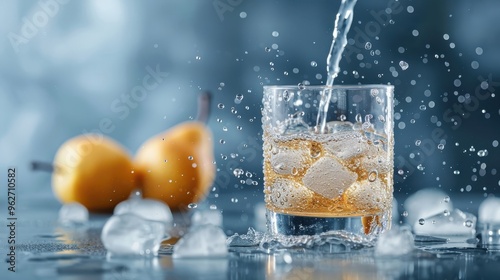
[343,117]
[234,200]
[315,150]
[248,174]
[405,213]
[446,199]
[359,118]
[404,65]
[401,172]
[418,142]
[456,172]
[192,205]
[374,92]
[482,153]
[222,141]
[301,86]
[267,49]
[372,176]
[446,213]
[468,223]
[423,107]
[420,167]
[441,146]
[314,63]
[237,172]
[368,46]
[421,221]
[275,34]
[198,57]
[220,106]
[190,157]
[239,97]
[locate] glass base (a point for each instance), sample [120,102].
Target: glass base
[278,223]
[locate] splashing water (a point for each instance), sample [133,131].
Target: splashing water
[342,25]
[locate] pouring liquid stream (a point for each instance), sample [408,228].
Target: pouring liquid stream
[342,25]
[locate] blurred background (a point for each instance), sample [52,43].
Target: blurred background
[68,65]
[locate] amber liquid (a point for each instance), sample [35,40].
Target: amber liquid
[341,175]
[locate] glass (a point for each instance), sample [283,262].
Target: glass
[328,170]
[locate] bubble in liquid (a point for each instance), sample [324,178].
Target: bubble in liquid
[401,172]
[343,117]
[404,65]
[192,205]
[468,223]
[314,63]
[222,141]
[220,106]
[441,146]
[372,176]
[243,15]
[368,46]
[446,199]
[234,200]
[482,153]
[418,142]
[239,96]
[405,213]
[190,157]
[267,49]
[275,34]
[446,213]
[301,86]
[421,221]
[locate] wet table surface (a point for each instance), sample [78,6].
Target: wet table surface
[47,250]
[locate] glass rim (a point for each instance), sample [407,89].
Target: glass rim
[320,87]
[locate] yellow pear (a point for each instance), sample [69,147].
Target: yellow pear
[177,166]
[93,170]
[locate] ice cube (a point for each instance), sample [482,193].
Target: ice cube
[207,216]
[149,209]
[489,211]
[396,242]
[349,144]
[73,214]
[130,235]
[286,160]
[447,223]
[328,177]
[201,241]
[287,193]
[425,203]
[369,195]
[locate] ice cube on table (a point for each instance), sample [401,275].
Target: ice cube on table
[73,214]
[396,242]
[454,223]
[207,216]
[130,235]
[202,241]
[149,209]
[489,211]
[286,193]
[425,203]
[328,177]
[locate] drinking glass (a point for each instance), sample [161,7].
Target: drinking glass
[328,158]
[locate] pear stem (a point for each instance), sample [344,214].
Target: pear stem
[42,166]
[204,100]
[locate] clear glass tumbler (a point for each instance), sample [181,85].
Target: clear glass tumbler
[328,158]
